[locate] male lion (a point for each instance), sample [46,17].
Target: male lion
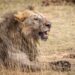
[19,34]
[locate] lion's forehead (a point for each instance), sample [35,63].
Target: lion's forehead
[40,16]
[27,14]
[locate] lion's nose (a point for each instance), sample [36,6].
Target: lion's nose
[48,26]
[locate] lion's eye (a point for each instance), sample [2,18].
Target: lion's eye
[35,18]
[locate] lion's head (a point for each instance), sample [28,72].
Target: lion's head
[33,24]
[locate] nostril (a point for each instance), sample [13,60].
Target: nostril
[48,25]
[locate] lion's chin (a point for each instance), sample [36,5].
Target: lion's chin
[43,35]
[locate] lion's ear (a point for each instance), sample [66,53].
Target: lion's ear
[21,16]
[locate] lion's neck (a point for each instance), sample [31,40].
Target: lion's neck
[29,47]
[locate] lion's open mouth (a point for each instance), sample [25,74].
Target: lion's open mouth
[43,35]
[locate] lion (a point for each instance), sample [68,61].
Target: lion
[20,32]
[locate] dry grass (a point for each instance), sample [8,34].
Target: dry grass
[8,72]
[61,38]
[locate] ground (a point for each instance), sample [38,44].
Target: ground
[61,40]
